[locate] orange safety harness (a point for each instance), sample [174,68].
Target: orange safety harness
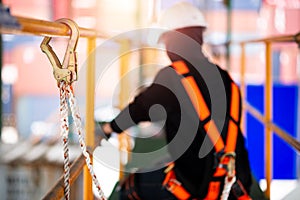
[225,154]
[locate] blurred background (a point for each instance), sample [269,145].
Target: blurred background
[30,164]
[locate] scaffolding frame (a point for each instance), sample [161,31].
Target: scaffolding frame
[266,117]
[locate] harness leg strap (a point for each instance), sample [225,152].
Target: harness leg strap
[174,186]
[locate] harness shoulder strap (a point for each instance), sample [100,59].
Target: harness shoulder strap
[204,113]
[233,128]
[199,104]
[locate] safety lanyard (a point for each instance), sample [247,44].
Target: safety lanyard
[66,74]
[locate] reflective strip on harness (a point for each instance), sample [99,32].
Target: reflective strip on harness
[213,190]
[180,67]
[214,135]
[234,113]
[235,102]
[231,137]
[196,97]
[174,186]
[220,172]
[244,197]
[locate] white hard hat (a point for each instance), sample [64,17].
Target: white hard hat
[180,15]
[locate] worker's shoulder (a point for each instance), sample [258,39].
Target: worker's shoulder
[225,74]
[166,71]
[166,75]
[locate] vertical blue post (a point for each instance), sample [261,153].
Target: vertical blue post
[298,110]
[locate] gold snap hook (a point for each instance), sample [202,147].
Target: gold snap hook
[67,71]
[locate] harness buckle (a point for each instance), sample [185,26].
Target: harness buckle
[225,164]
[67,70]
[172,184]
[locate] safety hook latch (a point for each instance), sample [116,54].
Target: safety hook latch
[67,71]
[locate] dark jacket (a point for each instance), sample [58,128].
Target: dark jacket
[185,134]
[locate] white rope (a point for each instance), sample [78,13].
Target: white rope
[227,187]
[77,122]
[64,132]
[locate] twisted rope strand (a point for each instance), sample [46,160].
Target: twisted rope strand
[227,187]
[64,132]
[77,121]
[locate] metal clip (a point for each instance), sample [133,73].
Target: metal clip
[67,71]
[230,163]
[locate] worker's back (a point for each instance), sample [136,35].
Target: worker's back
[188,142]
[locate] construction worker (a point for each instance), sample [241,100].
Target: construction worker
[202,112]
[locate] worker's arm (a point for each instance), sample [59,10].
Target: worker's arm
[152,104]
